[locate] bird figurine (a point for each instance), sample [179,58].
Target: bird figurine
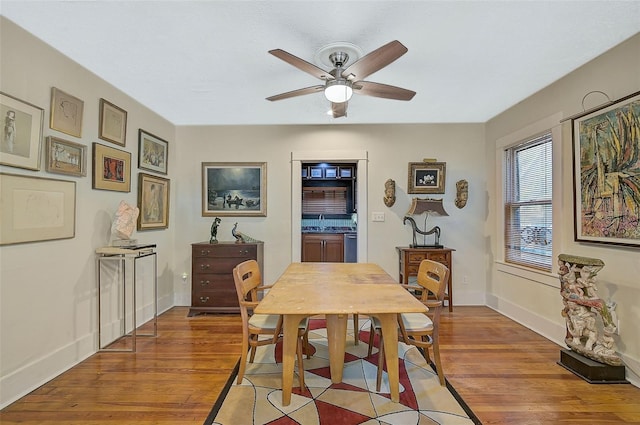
[236,234]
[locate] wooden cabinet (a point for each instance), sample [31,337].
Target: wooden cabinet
[323,247]
[212,287]
[410,259]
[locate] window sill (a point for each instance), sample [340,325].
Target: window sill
[538,276]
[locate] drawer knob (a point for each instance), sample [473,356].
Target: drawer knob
[205,252]
[204,299]
[204,282]
[204,266]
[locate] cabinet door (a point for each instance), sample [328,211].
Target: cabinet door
[334,249]
[312,247]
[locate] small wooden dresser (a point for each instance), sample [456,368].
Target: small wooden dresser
[410,259]
[212,287]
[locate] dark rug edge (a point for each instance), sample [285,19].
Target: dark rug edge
[218,404]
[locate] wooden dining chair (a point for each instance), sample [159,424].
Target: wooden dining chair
[261,329]
[419,329]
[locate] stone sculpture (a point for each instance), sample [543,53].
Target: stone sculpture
[582,306]
[125,221]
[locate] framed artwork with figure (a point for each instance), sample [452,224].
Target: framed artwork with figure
[111,168]
[21,133]
[153,201]
[153,152]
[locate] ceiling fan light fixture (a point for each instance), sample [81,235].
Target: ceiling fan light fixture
[338,91]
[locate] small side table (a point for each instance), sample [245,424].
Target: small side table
[121,256]
[410,259]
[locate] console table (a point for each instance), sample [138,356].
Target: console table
[120,256]
[410,259]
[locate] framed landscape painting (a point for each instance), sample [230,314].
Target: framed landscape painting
[65,157]
[234,189]
[153,152]
[606,163]
[21,133]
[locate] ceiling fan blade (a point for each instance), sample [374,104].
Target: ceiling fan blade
[374,61]
[295,93]
[339,109]
[369,88]
[301,64]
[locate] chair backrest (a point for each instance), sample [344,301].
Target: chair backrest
[247,278]
[433,276]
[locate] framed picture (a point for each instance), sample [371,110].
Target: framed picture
[34,209]
[65,157]
[66,113]
[606,164]
[234,189]
[153,201]
[111,168]
[426,177]
[21,133]
[113,123]
[153,152]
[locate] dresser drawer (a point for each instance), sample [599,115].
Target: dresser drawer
[218,298]
[215,265]
[416,257]
[228,250]
[440,257]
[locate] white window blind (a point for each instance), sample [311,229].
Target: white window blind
[528,212]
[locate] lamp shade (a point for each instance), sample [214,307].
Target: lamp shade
[431,206]
[338,91]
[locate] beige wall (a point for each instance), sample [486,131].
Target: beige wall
[48,289]
[533,298]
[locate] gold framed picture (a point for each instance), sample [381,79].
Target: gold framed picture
[21,134]
[66,113]
[111,168]
[153,152]
[426,177]
[234,189]
[36,209]
[113,123]
[153,201]
[65,157]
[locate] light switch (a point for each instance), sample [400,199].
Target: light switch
[377,216]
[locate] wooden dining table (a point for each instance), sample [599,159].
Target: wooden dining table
[337,290]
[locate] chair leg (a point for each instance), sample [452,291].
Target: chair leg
[372,334]
[380,364]
[436,356]
[243,362]
[356,329]
[300,364]
[253,354]
[307,348]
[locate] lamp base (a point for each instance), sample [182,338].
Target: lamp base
[426,246]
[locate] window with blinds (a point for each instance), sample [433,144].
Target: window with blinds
[324,200]
[528,218]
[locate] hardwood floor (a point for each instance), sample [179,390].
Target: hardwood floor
[506,374]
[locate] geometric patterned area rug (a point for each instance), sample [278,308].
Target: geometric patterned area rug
[258,399]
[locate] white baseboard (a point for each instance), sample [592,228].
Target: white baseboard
[554,332]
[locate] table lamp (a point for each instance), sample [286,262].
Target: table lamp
[428,206]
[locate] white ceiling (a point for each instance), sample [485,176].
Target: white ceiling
[206,62]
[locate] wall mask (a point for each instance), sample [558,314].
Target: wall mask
[462,193]
[389,192]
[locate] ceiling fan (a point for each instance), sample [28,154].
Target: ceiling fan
[342,81]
